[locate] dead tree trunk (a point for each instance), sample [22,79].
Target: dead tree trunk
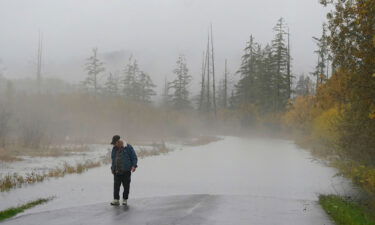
[225,86]
[39,63]
[208,75]
[213,73]
[202,94]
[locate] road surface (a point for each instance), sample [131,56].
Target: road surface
[233,181]
[186,210]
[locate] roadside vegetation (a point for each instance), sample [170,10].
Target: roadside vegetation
[9,181]
[11,212]
[157,149]
[14,152]
[345,211]
[338,122]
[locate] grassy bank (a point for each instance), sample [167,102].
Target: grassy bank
[10,181]
[346,212]
[14,152]
[8,213]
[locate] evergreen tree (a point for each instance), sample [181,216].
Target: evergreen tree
[112,85]
[146,87]
[304,86]
[256,86]
[130,84]
[267,80]
[244,88]
[94,68]
[280,62]
[166,97]
[137,85]
[265,74]
[321,69]
[180,97]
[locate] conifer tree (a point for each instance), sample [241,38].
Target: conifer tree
[94,68]
[180,97]
[146,87]
[321,68]
[112,85]
[280,61]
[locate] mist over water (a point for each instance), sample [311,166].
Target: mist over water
[239,111]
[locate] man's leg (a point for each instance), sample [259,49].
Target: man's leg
[126,183]
[116,187]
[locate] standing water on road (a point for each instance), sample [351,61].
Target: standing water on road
[256,167]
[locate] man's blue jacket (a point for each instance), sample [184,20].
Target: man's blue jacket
[128,159]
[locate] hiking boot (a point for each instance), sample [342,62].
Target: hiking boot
[124,202]
[115,202]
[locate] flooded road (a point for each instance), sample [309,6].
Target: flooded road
[254,176]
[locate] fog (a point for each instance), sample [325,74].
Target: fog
[154,31]
[222,97]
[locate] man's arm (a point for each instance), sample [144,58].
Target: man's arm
[113,155]
[133,157]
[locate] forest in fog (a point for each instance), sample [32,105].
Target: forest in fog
[330,110]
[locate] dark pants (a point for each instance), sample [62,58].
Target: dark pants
[123,179]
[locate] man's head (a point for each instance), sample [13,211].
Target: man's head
[119,144]
[115,139]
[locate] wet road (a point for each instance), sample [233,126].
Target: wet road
[232,181]
[187,210]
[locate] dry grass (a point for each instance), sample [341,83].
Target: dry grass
[11,153]
[158,149]
[15,180]
[10,181]
[6,156]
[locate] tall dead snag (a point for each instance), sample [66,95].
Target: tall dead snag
[202,94]
[39,63]
[213,73]
[225,102]
[208,74]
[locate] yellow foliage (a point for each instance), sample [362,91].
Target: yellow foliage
[324,126]
[335,91]
[301,114]
[360,174]
[372,112]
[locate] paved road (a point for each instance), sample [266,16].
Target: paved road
[186,210]
[233,181]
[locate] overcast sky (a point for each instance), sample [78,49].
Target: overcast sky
[155,31]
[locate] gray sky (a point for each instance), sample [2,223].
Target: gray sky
[155,31]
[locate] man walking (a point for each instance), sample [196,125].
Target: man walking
[124,162]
